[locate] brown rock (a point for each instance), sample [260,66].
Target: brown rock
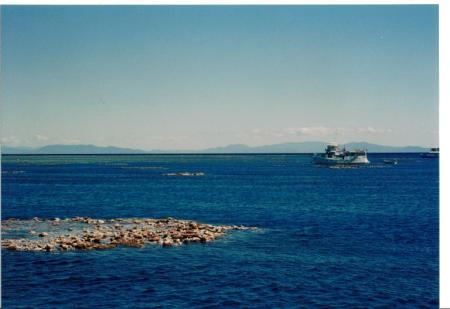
[167,242]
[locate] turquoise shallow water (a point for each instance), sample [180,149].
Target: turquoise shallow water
[341,238]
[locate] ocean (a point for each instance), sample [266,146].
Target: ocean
[327,238]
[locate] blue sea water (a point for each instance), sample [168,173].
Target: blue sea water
[327,238]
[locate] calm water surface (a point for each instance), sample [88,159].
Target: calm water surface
[328,238]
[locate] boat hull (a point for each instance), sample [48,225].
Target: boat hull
[354,160]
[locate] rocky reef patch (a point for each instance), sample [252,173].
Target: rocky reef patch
[83,233]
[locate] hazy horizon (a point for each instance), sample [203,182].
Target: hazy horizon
[208,148]
[196,77]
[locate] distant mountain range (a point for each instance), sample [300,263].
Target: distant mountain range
[301,147]
[310,147]
[69,149]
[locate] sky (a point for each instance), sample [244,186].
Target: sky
[193,77]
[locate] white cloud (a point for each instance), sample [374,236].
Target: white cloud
[69,141]
[167,138]
[320,131]
[41,137]
[10,140]
[277,134]
[372,130]
[313,131]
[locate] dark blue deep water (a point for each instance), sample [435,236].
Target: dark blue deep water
[328,238]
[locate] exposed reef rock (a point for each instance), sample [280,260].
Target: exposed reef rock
[82,233]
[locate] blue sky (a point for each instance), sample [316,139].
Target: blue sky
[168,77]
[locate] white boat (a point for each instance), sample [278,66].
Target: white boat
[334,155]
[433,153]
